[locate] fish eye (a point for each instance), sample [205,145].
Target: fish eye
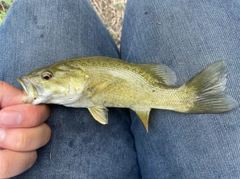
[47,75]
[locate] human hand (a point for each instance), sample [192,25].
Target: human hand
[22,131]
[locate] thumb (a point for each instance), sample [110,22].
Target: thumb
[10,95]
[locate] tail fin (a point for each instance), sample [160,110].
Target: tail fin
[209,86]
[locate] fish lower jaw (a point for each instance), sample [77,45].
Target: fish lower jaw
[40,100]
[30,100]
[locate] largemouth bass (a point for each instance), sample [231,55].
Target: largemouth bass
[100,82]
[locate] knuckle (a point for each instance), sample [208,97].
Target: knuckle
[44,113]
[40,114]
[34,157]
[1,87]
[4,166]
[22,141]
[31,139]
[45,135]
[1,84]
[48,133]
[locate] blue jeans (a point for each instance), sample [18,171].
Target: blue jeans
[185,35]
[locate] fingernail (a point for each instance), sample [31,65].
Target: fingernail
[2,134]
[10,118]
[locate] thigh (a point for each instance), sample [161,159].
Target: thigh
[38,33]
[187,36]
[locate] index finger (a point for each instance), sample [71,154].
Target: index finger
[10,95]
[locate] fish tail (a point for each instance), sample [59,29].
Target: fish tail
[208,88]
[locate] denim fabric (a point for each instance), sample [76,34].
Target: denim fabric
[38,33]
[185,35]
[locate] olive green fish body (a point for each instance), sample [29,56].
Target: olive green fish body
[100,82]
[125,84]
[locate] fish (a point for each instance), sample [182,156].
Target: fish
[99,82]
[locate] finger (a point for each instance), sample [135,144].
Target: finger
[23,115]
[13,163]
[25,139]
[9,95]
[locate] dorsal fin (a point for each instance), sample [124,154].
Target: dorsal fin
[160,72]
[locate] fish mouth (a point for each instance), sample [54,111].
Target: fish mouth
[29,89]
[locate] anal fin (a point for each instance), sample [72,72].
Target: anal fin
[143,114]
[99,113]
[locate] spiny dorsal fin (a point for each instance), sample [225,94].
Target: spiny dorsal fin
[99,113]
[161,72]
[143,114]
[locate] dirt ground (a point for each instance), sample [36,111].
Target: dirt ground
[111,12]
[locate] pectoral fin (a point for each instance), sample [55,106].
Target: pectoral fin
[143,114]
[99,113]
[93,90]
